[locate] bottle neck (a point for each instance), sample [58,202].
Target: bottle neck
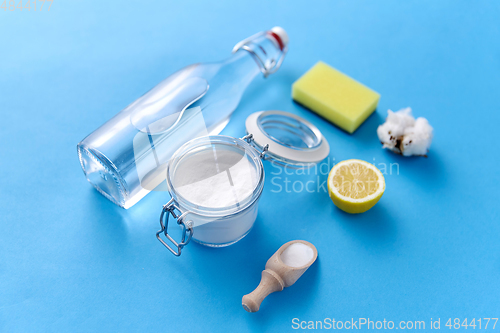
[260,53]
[242,67]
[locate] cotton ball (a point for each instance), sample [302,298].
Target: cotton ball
[393,129]
[385,134]
[417,139]
[402,117]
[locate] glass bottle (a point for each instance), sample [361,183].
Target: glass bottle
[127,156]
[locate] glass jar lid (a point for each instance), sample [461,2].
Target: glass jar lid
[292,140]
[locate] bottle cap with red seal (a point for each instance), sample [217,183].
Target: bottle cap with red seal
[281,36]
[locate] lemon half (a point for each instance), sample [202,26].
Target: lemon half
[355,186]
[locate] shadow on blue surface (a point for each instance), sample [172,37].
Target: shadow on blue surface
[430,173]
[366,132]
[107,221]
[374,229]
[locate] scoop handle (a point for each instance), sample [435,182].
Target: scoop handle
[269,283]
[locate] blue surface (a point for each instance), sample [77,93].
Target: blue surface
[70,261]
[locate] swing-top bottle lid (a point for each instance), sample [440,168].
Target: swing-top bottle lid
[281,36]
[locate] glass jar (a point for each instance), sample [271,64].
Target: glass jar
[216,181]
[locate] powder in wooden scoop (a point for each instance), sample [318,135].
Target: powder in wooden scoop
[297,255]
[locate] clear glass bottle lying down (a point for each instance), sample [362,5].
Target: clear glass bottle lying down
[127,157]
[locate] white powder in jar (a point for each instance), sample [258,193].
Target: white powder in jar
[297,255]
[216,178]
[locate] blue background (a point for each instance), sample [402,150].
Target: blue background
[72,261]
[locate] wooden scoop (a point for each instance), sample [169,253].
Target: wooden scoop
[276,277]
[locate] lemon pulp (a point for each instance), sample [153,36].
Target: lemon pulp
[355,186]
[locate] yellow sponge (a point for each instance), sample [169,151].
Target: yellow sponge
[335,96]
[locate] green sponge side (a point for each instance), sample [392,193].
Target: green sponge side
[335,96]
